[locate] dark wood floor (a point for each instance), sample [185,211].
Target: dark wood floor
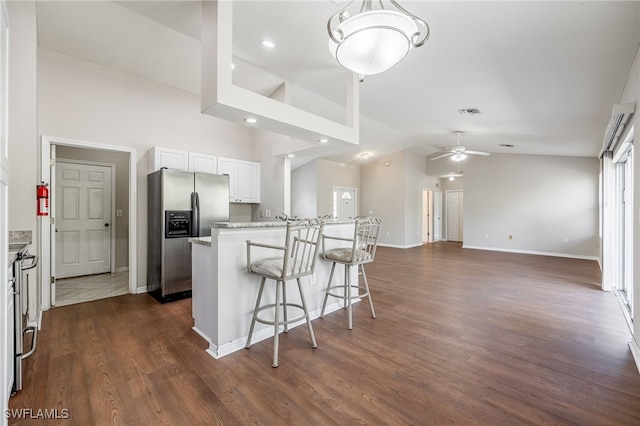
[462,337]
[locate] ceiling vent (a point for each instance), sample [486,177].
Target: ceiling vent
[619,117]
[469,111]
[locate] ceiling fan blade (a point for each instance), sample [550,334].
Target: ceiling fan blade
[478,153]
[442,156]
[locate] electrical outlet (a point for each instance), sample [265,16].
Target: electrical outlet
[486,235]
[267,213]
[565,240]
[388,233]
[510,237]
[118,213]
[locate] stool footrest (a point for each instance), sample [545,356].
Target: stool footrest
[281,322]
[343,296]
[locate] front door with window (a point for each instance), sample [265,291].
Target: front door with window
[344,201]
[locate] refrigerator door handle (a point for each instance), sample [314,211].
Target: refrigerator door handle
[195,220]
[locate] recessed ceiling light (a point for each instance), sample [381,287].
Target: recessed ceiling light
[251,120]
[291,155]
[323,140]
[469,111]
[364,155]
[452,178]
[268,43]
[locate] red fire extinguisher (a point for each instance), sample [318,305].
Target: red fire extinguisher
[42,196]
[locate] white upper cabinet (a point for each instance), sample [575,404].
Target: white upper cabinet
[244,176]
[178,159]
[203,163]
[244,179]
[229,166]
[169,158]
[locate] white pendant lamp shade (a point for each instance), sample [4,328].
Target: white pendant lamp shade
[372,42]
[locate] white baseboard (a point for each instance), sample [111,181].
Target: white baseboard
[266,333]
[635,351]
[401,247]
[140,290]
[539,253]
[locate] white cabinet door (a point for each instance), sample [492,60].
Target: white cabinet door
[229,166]
[203,163]
[169,158]
[248,181]
[244,179]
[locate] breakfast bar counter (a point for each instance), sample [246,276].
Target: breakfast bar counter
[224,293]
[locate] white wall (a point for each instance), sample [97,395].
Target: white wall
[312,186]
[23,136]
[539,200]
[394,193]
[84,101]
[272,175]
[304,190]
[331,174]
[383,193]
[415,181]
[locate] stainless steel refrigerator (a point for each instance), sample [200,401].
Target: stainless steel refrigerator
[180,205]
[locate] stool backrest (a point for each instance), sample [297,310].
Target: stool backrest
[367,230]
[302,245]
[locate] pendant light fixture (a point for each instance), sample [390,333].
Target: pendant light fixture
[374,40]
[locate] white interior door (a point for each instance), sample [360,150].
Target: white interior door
[83,219]
[437,215]
[427,223]
[454,215]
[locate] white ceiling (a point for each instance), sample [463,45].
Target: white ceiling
[544,74]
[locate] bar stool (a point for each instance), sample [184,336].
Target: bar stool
[362,250]
[299,255]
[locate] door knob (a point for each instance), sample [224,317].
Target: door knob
[106,225]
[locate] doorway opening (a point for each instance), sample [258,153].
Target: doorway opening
[119,256]
[431,216]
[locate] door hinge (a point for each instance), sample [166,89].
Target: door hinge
[52,162]
[53,220]
[53,280]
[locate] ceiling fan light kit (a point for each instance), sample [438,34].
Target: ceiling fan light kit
[372,41]
[459,153]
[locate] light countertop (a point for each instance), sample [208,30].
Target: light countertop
[270,224]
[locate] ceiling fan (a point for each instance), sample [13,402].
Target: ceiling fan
[458,152]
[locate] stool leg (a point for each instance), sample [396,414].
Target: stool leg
[366,285]
[276,327]
[255,313]
[326,293]
[306,314]
[284,306]
[347,295]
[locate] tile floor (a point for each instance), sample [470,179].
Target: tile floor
[91,287]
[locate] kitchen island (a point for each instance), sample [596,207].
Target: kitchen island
[224,293]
